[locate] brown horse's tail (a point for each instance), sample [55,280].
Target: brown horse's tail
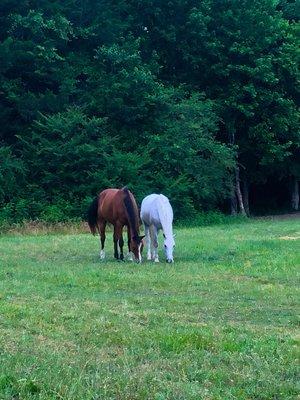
[92,215]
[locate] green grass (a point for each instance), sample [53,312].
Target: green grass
[221,323]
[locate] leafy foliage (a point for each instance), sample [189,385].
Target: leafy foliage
[160,96]
[11,174]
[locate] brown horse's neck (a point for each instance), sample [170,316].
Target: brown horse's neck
[132,214]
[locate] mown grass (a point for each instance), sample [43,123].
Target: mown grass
[221,323]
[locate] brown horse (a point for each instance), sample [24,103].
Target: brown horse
[118,207]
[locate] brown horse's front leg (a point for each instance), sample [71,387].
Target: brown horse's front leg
[121,244]
[118,239]
[129,255]
[119,234]
[116,253]
[128,238]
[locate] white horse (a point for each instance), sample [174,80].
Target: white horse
[156,214]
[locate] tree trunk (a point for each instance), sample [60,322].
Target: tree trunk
[233,203]
[246,197]
[295,194]
[239,192]
[233,199]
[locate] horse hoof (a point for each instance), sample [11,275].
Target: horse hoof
[156,260]
[129,257]
[102,255]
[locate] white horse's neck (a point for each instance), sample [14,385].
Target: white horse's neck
[166,216]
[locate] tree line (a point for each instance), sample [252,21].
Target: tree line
[194,99]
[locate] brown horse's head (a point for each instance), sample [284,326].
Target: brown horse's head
[136,246]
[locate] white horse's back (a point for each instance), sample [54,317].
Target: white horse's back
[156,209]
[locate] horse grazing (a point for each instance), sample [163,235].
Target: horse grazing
[118,207]
[156,214]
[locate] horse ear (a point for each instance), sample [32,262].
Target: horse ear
[174,235]
[141,237]
[164,235]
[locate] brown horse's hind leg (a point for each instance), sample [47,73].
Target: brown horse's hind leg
[102,225]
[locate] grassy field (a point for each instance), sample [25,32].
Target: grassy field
[221,323]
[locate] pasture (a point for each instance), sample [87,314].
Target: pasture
[220,323]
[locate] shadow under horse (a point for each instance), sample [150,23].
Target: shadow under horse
[117,207]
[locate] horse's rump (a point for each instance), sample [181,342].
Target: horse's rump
[117,205]
[109,205]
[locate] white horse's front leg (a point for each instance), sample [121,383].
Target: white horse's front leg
[148,241]
[129,256]
[154,233]
[102,254]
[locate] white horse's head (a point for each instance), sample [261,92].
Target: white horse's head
[169,244]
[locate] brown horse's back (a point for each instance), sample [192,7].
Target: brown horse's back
[111,206]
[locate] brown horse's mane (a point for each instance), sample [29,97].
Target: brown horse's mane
[132,216]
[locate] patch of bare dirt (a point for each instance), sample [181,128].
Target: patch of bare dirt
[289,237]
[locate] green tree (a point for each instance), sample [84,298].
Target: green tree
[243,55]
[194,99]
[186,161]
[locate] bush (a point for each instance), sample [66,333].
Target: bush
[12,171]
[62,211]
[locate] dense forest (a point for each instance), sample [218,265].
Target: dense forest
[196,99]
